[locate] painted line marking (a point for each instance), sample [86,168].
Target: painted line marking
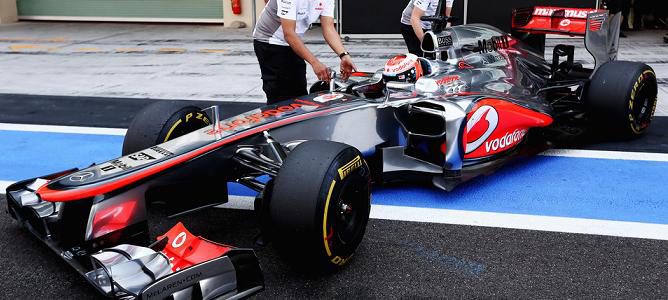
[619,155]
[34,48]
[213,50]
[499,220]
[172,50]
[129,50]
[63,129]
[89,50]
[36,40]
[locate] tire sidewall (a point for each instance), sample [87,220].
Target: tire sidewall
[303,202]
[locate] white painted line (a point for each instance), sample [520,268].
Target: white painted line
[4,185]
[63,129]
[500,220]
[519,221]
[644,156]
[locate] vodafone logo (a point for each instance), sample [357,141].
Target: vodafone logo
[480,127]
[507,140]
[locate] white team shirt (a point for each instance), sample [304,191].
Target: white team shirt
[428,6]
[304,12]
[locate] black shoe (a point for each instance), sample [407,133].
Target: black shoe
[622,35]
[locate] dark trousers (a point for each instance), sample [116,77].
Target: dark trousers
[412,41]
[283,72]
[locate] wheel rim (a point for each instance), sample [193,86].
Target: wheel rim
[349,214]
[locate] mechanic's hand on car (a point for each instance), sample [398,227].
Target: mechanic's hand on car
[347,67]
[321,71]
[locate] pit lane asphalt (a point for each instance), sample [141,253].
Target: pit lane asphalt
[396,259]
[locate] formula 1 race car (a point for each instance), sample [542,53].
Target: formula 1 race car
[478,98]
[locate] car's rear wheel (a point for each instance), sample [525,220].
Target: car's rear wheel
[621,98]
[160,122]
[319,205]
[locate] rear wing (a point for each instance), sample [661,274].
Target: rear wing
[600,29]
[553,20]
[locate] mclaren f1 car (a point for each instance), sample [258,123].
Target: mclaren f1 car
[478,98]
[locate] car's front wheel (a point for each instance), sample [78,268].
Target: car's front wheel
[319,205]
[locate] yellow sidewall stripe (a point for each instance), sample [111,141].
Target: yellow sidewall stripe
[172,130]
[324,220]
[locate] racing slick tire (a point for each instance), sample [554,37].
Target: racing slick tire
[319,205]
[160,122]
[621,98]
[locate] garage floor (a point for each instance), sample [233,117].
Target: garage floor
[585,222]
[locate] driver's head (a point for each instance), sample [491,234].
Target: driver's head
[404,68]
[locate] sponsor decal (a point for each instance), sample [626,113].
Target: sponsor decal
[328,97]
[568,13]
[179,240]
[480,127]
[444,41]
[351,166]
[141,156]
[463,65]
[119,164]
[596,22]
[565,23]
[169,288]
[506,141]
[260,117]
[82,176]
[493,44]
[447,80]
[161,150]
[320,6]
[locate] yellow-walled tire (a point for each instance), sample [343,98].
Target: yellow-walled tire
[621,98]
[320,204]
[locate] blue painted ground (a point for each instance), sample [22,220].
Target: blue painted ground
[551,186]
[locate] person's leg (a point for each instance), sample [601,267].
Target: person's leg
[267,58]
[412,41]
[295,77]
[626,10]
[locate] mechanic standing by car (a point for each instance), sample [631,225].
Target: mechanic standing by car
[412,29]
[281,51]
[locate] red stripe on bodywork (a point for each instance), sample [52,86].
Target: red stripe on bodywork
[51,195]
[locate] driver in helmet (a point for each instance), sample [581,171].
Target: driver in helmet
[403,68]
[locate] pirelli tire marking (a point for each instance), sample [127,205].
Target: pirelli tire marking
[350,166]
[635,126]
[188,118]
